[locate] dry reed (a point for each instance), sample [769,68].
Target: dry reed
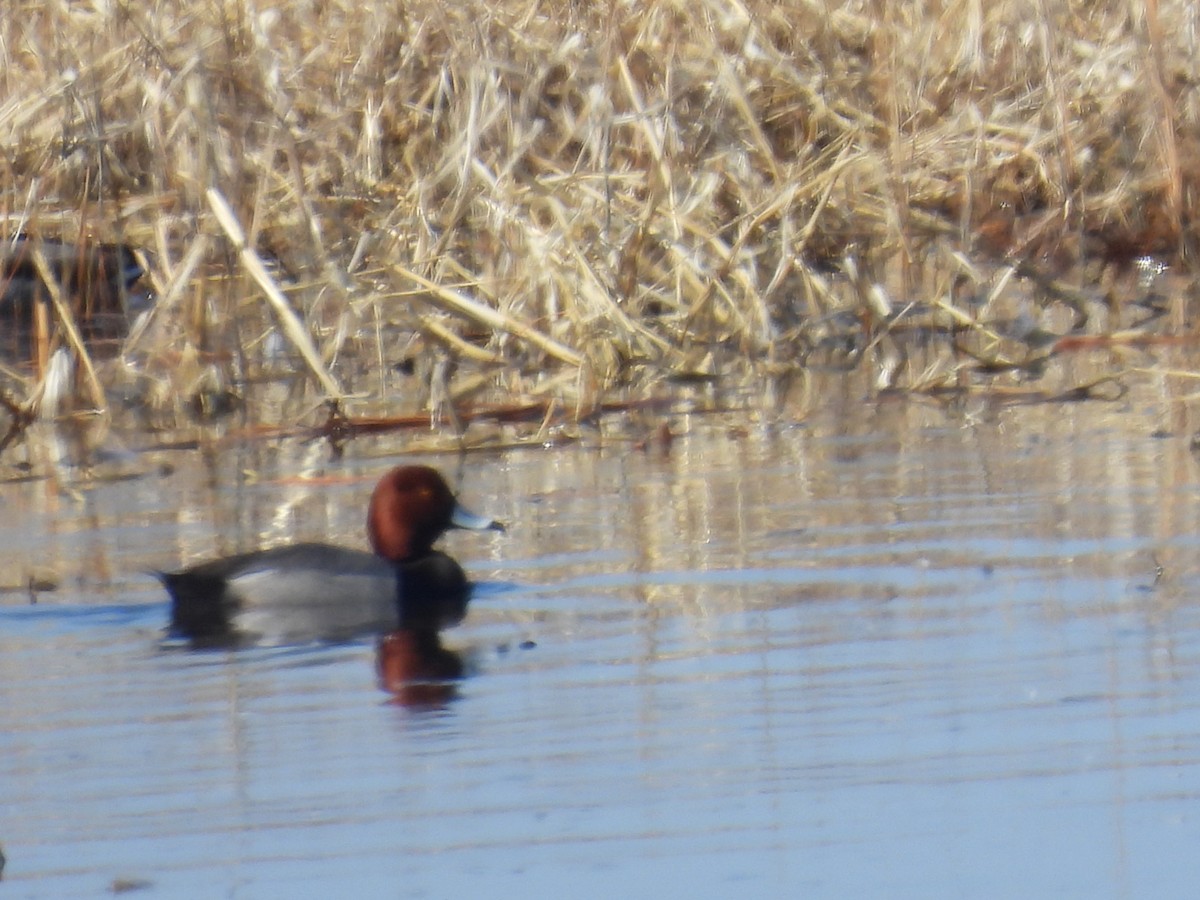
[628,191]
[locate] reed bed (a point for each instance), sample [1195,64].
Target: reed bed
[425,205]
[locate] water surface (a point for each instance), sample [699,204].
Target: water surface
[889,650]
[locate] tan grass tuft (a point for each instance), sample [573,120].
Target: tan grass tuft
[623,190]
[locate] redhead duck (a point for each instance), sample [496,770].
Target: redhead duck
[317,592]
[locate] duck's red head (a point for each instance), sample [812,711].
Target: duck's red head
[410,509]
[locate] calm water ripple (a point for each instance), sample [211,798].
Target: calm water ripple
[923,661]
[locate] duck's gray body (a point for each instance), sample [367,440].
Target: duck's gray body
[312,592]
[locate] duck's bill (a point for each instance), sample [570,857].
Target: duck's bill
[464,518]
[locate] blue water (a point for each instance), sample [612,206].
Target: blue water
[941,668]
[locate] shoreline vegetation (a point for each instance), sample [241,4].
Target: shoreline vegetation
[436,210]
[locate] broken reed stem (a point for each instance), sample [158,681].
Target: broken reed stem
[180,279]
[457,344]
[67,320]
[490,318]
[292,326]
[1054,85]
[1166,116]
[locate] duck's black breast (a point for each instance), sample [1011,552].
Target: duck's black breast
[434,592]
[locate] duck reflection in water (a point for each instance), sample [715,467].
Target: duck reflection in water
[416,669]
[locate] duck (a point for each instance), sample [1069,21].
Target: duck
[315,592]
[99,282]
[101,275]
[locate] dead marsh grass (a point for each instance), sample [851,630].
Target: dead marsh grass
[426,203]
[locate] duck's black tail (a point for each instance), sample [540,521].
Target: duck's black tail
[201,609]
